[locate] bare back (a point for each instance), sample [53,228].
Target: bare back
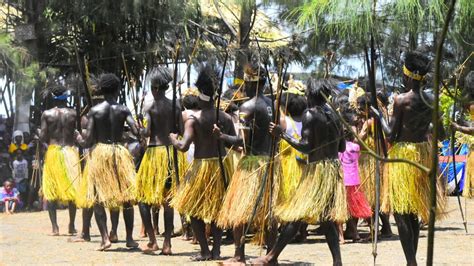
[204,141]
[411,117]
[257,115]
[160,119]
[106,122]
[322,131]
[58,126]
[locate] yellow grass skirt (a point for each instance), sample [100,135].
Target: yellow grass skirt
[291,170]
[468,190]
[110,175]
[405,188]
[61,170]
[82,201]
[367,176]
[243,191]
[202,194]
[320,196]
[155,176]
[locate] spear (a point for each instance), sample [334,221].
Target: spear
[453,151]
[175,117]
[219,93]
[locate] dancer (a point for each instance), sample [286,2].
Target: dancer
[466,132]
[110,170]
[292,161]
[243,192]
[320,196]
[61,162]
[200,197]
[155,177]
[406,190]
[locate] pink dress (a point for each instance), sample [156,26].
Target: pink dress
[357,202]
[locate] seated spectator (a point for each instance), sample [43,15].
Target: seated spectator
[17,143]
[20,173]
[9,197]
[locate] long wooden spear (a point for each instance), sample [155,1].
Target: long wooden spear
[219,93]
[453,150]
[435,121]
[175,117]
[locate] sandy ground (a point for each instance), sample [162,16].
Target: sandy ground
[24,240]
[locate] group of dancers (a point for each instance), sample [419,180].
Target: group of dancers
[319,174]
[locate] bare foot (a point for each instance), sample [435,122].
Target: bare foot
[72,230]
[263,261]
[234,261]
[55,231]
[131,244]
[201,257]
[79,238]
[104,246]
[149,248]
[113,237]
[166,250]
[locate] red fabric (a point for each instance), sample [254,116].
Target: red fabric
[357,202]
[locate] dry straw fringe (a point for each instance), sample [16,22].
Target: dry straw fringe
[367,173]
[82,201]
[202,194]
[320,196]
[156,169]
[291,172]
[242,193]
[61,167]
[406,188]
[468,190]
[111,175]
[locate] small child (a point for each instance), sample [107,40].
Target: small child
[9,197]
[20,173]
[356,201]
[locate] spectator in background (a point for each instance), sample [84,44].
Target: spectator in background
[5,170]
[9,197]
[20,174]
[17,143]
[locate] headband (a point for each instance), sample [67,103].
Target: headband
[412,75]
[204,97]
[61,97]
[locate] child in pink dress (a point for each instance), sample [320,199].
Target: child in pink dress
[356,201]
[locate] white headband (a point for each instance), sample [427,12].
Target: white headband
[204,97]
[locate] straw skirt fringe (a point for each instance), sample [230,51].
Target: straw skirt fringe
[468,190]
[202,194]
[320,196]
[110,175]
[291,170]
[154,178]
[243,190]
[60,171]
[405,188]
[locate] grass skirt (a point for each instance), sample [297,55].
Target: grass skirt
[405,188]
[291,170]
[202,194]
[367,176]
[468,190]
[154,178]
[60,171]
[243,190]
[82,201]
[357,203]
[320,196]
[110,175]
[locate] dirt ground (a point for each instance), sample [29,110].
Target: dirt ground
[24,240]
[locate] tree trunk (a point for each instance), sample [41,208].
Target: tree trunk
[242,56]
